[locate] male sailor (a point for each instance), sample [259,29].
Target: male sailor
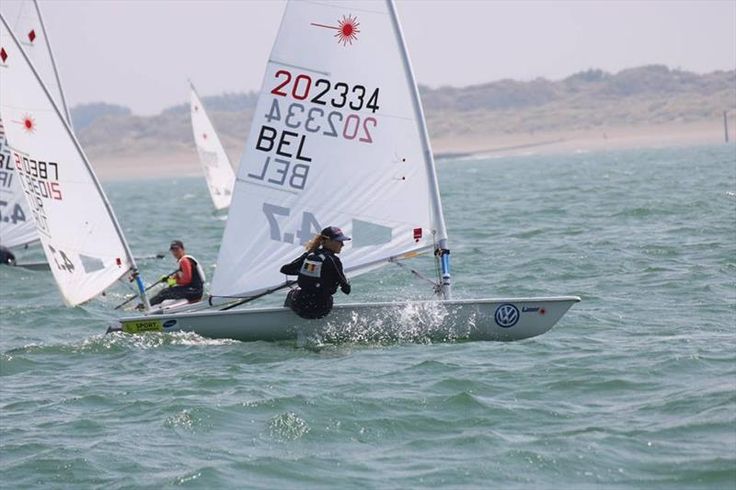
[319,272]
[187,282]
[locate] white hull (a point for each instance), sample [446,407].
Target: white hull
[483,319]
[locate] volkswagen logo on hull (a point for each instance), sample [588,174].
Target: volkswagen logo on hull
[507,315]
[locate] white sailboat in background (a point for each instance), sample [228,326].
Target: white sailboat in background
[16,225]
[216,165]
[80,235]
[339,138]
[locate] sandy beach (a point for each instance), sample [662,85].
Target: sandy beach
[600,139]
[178,163]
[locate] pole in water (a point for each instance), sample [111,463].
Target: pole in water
[725,125]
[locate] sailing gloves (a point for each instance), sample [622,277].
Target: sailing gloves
[170,281]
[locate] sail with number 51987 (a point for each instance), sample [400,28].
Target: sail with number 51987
[16,224]
[81,238]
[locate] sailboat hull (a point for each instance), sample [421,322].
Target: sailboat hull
[483,319]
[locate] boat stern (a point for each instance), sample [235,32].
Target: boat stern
[517,318]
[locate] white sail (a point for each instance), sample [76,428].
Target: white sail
[217,169]
[16,225]
[31,32]
[79,233]
[338,138]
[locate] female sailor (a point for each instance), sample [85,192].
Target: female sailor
[319,272]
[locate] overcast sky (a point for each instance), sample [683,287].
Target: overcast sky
[140,53]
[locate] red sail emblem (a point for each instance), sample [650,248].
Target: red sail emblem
[29,124]
[347,29]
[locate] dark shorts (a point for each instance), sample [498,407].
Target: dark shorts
[178,292]
[307,305]
[6,256]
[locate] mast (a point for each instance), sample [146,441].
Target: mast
[67,114]
[108,207]
[442,252]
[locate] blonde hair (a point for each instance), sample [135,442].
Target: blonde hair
[314,243]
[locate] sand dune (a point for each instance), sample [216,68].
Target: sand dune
[152,165]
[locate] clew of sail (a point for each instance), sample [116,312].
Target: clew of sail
[337,139]
[80,235]
[217,169]
[16,225]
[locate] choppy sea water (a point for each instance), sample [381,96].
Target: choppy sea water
[634,388]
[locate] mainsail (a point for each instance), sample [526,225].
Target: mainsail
[16,224]
[32,36]
[217,169]
[338,138]
[80,235]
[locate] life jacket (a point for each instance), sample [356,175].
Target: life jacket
[198,277]
[310,277]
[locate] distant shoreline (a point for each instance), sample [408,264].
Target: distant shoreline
[186,164]
[569,142]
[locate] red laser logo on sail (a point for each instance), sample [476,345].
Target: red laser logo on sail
[32,35]
[29,124]
[347,29]
[3,54]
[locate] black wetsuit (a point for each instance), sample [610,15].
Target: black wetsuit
[192,292]
[319,274]
[6,256]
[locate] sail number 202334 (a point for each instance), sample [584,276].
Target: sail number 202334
[323,92]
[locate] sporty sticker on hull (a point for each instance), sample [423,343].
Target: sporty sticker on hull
[506,315]
[139,326]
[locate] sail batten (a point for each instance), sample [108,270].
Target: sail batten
[336,140]
[81,237]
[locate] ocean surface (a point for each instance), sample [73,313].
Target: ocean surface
[634,388]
